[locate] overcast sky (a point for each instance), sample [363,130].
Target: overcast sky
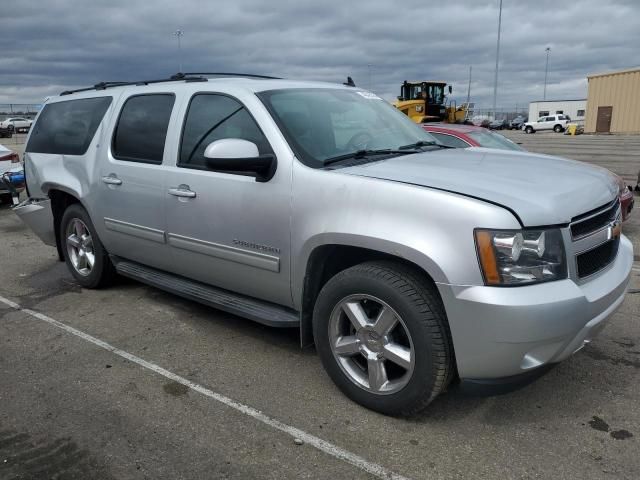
[52,45]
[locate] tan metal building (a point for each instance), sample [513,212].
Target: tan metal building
[613,102]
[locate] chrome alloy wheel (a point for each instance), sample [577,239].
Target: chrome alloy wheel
[371,344]
[80,247]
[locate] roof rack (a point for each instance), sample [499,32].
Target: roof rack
[186,77]
[227,74]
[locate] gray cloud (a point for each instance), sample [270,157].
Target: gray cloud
[52,46]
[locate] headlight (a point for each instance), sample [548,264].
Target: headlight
[520,257]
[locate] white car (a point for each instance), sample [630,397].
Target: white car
[16,123]
[557,123]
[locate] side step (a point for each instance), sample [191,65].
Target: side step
[259,311]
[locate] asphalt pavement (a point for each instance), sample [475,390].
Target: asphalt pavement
[131,383]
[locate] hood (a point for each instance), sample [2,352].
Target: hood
[539,189]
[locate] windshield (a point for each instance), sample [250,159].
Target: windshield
[322,123]
[493,140]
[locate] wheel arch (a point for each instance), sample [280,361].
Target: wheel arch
[61,198]
[325,260]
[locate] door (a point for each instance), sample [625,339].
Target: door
[547,123]
[130,186]
[226,229]
[603,120]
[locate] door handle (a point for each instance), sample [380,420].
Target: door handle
[182,191]
[111,180]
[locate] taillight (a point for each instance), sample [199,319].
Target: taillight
[13,156]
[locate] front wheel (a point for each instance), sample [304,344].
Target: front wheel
[382,335]
[528,129]
[84,254]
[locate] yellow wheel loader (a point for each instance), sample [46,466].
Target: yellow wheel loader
[425,101]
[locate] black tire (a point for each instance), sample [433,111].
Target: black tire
[11,127]
[5,198]
[529,129]
[558,128]
[102,273]
[417,302]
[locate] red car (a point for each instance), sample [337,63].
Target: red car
[465,136]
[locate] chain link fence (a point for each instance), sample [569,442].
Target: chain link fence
[481,113]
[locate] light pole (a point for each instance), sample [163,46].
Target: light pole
[179,33]
[469,87]
[495,80]
[546,71]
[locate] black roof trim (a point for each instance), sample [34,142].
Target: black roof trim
[186,77]
[228,74]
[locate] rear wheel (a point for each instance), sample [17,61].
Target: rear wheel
[558,128]
[84,254]
[383,337]
[528,129]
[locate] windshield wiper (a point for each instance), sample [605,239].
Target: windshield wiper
[367,153]
[422,143]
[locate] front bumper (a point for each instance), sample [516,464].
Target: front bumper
[502,332]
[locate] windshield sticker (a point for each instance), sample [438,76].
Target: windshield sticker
[369,95]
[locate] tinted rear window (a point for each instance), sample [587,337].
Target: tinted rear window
[142,128]
[67,128]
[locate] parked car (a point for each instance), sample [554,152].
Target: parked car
[626,199]
[410,266]
[518,122]
[499,124]
[464,136]
[5,132]
[557,123]
[16,124]
[9,164]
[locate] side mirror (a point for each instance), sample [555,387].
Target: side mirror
[450,89]
[234,155]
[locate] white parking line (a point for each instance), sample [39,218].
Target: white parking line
[322,445]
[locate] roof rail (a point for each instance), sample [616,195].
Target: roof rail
[227,74]
[104,85]
[187,77]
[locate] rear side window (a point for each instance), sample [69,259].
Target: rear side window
[142,128]
[67,128]
[450,140]
[214,117]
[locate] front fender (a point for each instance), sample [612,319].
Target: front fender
[429,228]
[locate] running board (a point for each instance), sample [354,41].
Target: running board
[259,311]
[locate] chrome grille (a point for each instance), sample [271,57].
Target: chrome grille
[596,259]
[596,238]
[588,223]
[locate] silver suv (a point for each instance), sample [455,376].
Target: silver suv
[320,206]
